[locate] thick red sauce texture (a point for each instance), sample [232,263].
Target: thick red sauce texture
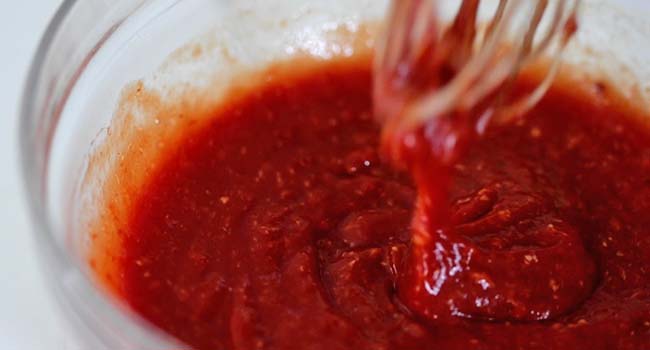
[279,226]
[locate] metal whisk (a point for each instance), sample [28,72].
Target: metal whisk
[428,65]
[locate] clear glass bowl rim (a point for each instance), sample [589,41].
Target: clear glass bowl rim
[97,331]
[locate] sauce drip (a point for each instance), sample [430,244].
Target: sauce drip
[496,254]
[501,253]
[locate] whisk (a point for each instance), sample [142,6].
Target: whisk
[425,69]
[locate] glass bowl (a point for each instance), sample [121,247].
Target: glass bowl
[96,52]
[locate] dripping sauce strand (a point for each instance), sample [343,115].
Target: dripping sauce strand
[447,275]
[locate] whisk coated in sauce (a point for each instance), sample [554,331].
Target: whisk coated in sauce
[437,90]
[425,70]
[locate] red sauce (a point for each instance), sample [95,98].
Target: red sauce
[279,226]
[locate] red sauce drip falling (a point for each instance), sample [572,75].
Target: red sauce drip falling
[503,253]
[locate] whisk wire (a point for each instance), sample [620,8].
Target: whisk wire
[482,62]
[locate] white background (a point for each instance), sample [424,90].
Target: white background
[28,316]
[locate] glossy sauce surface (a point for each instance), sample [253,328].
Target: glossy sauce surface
[279,226]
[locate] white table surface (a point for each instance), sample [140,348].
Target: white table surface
[28,316]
